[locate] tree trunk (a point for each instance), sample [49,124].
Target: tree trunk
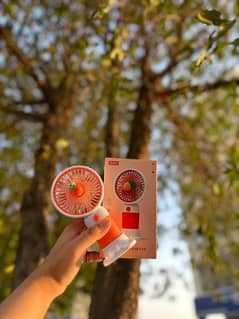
[115,293]
[116,288]
[112,132]
[33,241]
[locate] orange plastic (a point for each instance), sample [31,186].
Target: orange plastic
[96,217]
[79,189]
[127,187]
[111,235]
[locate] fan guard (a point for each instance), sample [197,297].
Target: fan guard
[77,191]
[135,192]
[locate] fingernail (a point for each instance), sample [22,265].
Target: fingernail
[104,223]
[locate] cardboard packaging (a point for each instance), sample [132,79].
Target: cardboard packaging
[130,192]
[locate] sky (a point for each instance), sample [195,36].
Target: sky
[162,309]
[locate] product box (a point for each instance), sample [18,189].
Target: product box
[130,190]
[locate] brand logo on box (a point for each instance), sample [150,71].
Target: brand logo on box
[114,163]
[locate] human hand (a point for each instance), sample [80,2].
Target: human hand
[70,251]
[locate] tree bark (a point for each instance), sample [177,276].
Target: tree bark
[112,132]
[116,288]
[33,241]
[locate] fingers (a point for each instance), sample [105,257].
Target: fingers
[90,257]
[91,235]
[73,229]
[70,232]
[93,256]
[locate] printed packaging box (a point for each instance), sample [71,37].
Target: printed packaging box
[130,196]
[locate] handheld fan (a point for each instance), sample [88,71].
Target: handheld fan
[130,187]
[78,192]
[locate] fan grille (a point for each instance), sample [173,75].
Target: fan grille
[68,199]
[135,192]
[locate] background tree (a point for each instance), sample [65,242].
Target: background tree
[78,78]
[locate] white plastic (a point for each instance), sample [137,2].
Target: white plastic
[133,233]
[117,248]
[132,208]
[96,216]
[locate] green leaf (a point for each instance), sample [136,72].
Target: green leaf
[210,17]
[225,27]
[216,189]
[103,10]
[235,42]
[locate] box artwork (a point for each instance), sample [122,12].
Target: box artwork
[130,189]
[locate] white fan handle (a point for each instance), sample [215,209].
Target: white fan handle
[96,215]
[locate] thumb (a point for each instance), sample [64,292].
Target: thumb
[89,236]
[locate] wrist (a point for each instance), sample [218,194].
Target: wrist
[45,283]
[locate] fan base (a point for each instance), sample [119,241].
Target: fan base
[117,248]
[132,233]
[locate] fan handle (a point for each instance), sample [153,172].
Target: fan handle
[114,243]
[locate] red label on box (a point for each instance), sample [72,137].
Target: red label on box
[114,163]
[130,220]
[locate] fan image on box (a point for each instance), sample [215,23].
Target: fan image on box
[78,192]
[130,187]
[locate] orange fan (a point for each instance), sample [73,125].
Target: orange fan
[78,192]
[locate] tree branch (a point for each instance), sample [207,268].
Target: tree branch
[22,58]
[174,63]
[30,102]
[185,131]
[33,117]
[196,88]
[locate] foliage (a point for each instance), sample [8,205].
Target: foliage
[192,78]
